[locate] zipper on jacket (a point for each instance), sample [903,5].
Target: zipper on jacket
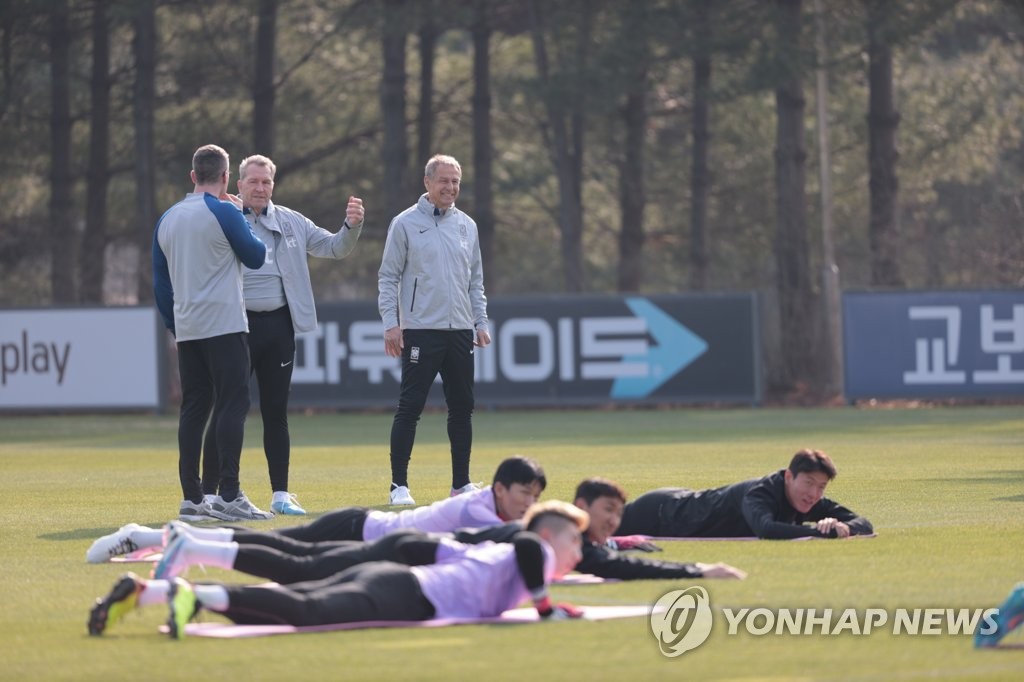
[412,303]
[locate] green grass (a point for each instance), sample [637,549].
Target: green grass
[944,488]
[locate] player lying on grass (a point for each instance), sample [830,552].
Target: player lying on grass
[602,499]
[774,507]
[1010,617]
[518,483]
[483,582]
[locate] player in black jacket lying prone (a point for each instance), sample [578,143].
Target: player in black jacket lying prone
[775,507]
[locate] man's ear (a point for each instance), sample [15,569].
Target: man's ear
[582,504]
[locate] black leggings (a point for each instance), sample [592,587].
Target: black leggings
[214,375]
[323,560]
[339,525]
[450,354]
[377,591]
[272,355]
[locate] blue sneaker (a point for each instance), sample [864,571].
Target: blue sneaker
[287,504]
[172,563]
[1009,618]
[183,606]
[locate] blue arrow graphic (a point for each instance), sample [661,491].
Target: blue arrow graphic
[676,348]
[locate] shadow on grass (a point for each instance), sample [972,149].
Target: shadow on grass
[999,477]
[88,533]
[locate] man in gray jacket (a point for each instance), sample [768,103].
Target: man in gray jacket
[431,300]
[199,247]
[279,303]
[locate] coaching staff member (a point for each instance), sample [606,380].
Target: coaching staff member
[431,300]
[279,303]
[199,246]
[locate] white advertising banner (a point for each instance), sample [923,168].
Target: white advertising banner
[79,359]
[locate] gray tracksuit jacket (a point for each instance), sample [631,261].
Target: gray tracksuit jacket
[431,276]
[199,247]
[296,236]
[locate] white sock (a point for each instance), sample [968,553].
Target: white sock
[148,537]
[211,553]
[212,597]
[153,592]
[212,534]
[279,496]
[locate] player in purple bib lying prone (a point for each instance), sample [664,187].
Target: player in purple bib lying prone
[482,582]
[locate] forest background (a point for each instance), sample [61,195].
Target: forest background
[653,146]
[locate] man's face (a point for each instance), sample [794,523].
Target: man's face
[443,187]
[512,502]
[567,544]
[805,489]
[605,517]
[256,187]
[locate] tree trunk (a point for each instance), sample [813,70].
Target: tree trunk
[483,146]
[143,106]
[94,244]
[392,98]
[700,180]
[632,198]
[425,118]
[568,160]
[61,234]
[263,91]
[883,120]
[791,244]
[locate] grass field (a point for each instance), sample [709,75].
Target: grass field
[943,486]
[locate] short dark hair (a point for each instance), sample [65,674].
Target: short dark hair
[209,163]
[555,515]
[592,488]
[519,469]
[808,461]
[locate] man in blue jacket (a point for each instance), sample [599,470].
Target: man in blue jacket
[279,303]
[199,246]
[431,300]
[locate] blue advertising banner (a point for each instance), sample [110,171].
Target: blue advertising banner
[934,344]
[554,351]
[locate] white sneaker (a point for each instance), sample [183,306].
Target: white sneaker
[239,509]
[400,495]
[468,488]
[190,511]
[117,543]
